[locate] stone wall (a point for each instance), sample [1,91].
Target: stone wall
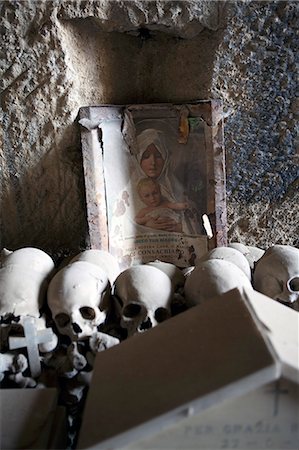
[58,56]
[255,74]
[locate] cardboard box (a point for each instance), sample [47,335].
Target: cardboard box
[221,367]
[30,419]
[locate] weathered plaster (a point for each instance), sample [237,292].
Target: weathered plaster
[58,56]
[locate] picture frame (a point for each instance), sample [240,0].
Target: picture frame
[155,180]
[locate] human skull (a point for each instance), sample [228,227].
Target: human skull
[177,279]
[101,258]
[255,254]
[175,274]
[75,294]
[276,273]
[24,277]
[145,293]
[231,255]
[38,260]
[211,278]
[252,254]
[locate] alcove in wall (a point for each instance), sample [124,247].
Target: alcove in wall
[142,65]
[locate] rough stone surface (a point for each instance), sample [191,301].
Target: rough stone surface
[58,56]
[256,75]
[180,18]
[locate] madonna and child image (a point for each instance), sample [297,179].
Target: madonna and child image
[160,199]
[157,196]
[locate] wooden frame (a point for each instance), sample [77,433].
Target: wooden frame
[188,141]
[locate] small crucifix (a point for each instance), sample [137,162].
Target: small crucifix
[32,338]
[277,391]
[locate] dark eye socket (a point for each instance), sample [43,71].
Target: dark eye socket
[161,314]
[294,284]
[87,313]
[131,310]
[62,320]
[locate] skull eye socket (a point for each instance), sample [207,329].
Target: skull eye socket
[62,320]
[293,284]
[161,314]
[131,310]
[87,313]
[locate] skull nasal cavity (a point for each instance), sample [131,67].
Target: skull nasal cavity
[131,310]
[146,324]
[294,284]
[76,328]
[87,313]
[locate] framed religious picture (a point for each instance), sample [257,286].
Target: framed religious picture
[155,180]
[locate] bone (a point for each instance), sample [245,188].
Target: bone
[146,293]
[252,254]
[212,278]
[276,274]
[75,295]
[99,342]
[59,361]
[21,381]
[105,260]
[229,254]
[255,254]
[76,358]
[174,273]
[24,276]
[13,363]
[38,260]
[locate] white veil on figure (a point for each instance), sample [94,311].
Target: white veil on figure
[171,187]
[168,183]
[129,203]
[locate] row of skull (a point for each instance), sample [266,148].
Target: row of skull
[81,294]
